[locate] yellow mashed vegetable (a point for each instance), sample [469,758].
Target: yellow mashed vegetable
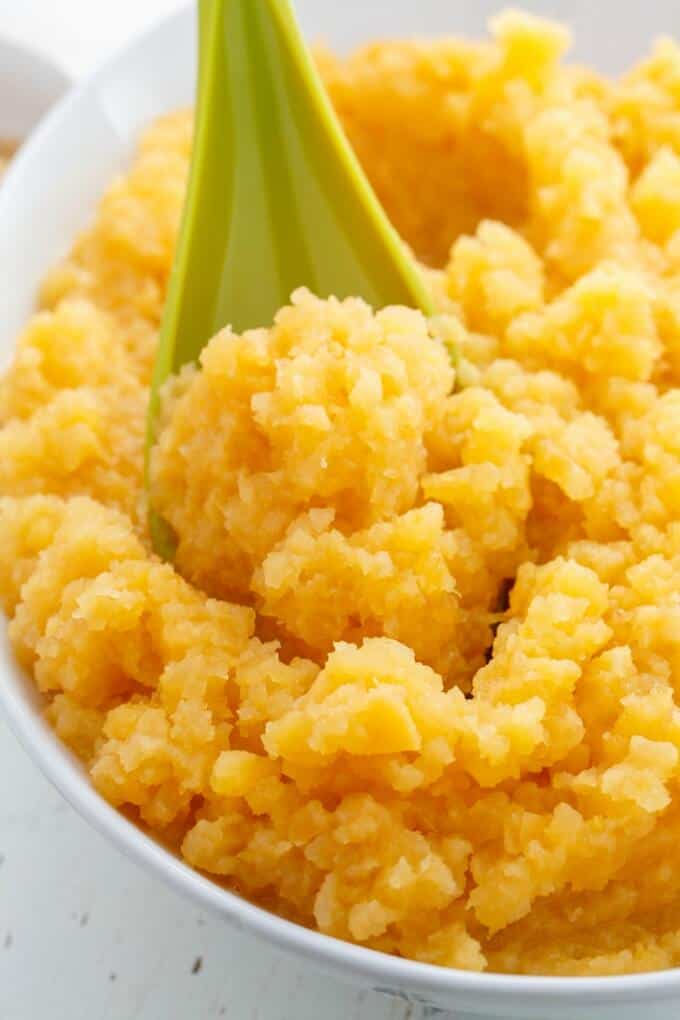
[413,677]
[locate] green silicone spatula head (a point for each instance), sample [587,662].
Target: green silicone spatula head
[276,198]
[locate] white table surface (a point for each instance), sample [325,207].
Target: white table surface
[84,934]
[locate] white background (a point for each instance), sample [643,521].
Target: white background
[84,935]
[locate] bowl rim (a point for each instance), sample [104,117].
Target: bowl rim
[383,971]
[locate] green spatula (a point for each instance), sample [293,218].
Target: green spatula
[276,197]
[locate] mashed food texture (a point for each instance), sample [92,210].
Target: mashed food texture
[412,678]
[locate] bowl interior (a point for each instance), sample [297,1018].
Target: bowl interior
[51,191]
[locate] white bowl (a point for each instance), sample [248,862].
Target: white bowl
[49,193]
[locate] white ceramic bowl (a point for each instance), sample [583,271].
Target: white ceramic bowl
[49,193]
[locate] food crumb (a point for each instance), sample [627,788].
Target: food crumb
[7,149]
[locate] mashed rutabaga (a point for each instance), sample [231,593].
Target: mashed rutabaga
[413,680]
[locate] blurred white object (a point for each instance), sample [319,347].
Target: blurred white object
[29,85]
[49,193]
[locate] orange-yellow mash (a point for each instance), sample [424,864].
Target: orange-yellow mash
[413,677]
